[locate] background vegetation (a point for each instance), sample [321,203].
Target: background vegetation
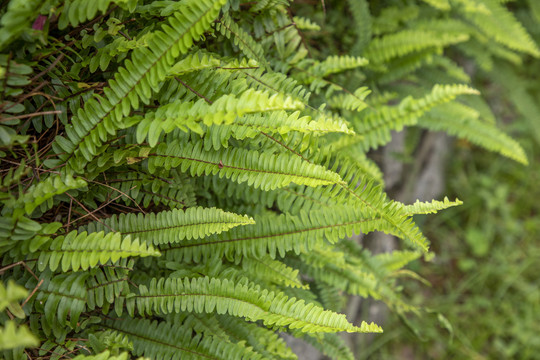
[184,179]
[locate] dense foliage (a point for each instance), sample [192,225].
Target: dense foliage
[179,178]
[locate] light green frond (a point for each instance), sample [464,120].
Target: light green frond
[226,109]
[9,298]
[43,191]
[303,23]
[250,301]
[13,336]
[83,251]
[195,61]
[173,226]
[431,207]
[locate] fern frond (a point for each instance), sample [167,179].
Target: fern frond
[331,345]
[172,189]
[135,82]
[263,340]
[363,21]
[501,25]
[171,226]
[331,65]
[108,285]
[395,260]
[225,109]
[13,336]
[250,126]
[478,132]
[83,251]
[405,42]
[376,126]
[353,101]
[163,340]
[431,207]
[272,271]
[279,234]
[45,190]
[260,170]
[249,301]
[245,42]
[303,23]
[76,12]
[59,297]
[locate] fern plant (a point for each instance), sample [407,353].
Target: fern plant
[180,179]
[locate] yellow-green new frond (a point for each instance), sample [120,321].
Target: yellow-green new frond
[225,109]
[200,295]
[303,23]
[431,207]
[171,226]
[83,251]
[261,170]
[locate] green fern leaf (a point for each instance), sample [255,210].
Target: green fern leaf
[249,301]
[83,251]
[173,226]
